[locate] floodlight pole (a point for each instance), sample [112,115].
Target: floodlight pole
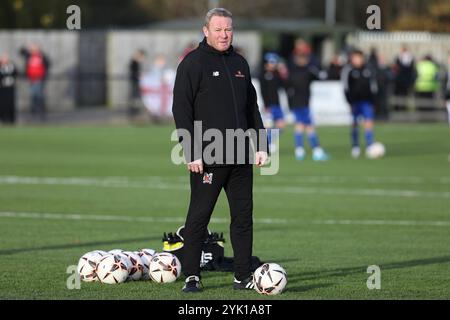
[330,12]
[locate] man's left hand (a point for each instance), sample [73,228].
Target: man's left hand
[261,158]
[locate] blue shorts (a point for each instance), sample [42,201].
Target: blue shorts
[276,112]
[363,109]
[302,115]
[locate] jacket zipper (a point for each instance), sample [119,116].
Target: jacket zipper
[232,91]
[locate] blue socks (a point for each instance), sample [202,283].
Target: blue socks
[298,136]
[368,135]
[313,140]
[355,137]
[312,137]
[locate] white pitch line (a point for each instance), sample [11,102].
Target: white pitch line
[88,217]
[161,179]
[385,222]
[108,182]
[81,217]
[161,184]
[356,192]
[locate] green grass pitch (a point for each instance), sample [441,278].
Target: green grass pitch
[68,190]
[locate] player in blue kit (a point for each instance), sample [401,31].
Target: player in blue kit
[271,80]
[302,72]
[360,88]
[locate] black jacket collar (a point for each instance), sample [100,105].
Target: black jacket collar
[206,47]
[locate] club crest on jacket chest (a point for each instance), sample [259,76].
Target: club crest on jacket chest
[207,178]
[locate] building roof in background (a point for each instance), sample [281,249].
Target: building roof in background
[259,24]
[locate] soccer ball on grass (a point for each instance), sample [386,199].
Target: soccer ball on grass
[270,279]
[164,268]
[112,269]
[375,151]
[146,256]
[88,264]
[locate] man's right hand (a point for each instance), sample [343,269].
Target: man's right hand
[196,166]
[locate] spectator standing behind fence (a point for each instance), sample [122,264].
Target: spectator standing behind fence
[135,73]
[427,82]
[335,68]
[404,70]
[8,75]
[37,67]
[384,81]
[383,75]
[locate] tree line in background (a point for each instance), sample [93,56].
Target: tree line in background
[430,15]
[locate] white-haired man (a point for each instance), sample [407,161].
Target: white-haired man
[213,85]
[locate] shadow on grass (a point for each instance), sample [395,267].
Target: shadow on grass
[362,269]
[96,244]
[294,280]
[291,287]
[217,274]
[274,228]
[305,288]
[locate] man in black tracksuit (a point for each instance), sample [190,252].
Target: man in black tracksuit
[271,80]
[213,85]
[8,74]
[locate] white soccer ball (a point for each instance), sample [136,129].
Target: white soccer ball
[270,279]
[375,151]
[112,269]
[136,268]
[88,264]
[146,256]
[126,260]
[164,267]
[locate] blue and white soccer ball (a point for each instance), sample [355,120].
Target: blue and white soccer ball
[270,279]
[164,268]
[375,151]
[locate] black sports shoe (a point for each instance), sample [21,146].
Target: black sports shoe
[246,284]
[192,284]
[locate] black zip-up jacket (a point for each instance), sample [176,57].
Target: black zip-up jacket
[298,84]
[270,82]
[360,84]
[215,87]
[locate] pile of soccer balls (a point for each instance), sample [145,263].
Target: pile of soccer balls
[117,266]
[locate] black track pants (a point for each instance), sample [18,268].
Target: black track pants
[237,181]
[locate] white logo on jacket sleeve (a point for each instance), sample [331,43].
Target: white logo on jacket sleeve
[215,73]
